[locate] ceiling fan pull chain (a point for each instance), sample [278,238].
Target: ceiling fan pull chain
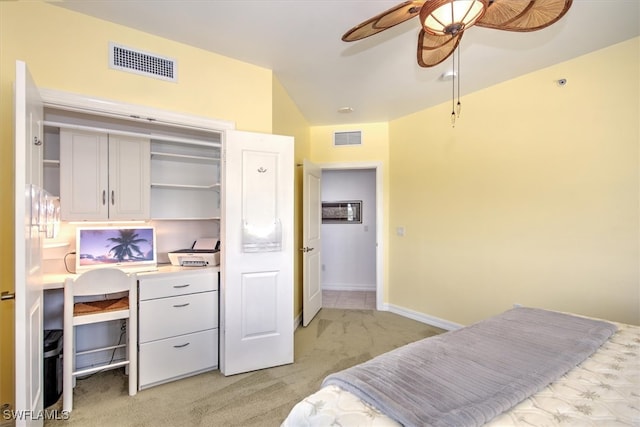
[453,93]
[459,106]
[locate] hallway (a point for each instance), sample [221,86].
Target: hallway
[355,300]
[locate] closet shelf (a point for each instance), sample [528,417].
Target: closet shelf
[183,157]
[50,245]
[185,186]
[156,218]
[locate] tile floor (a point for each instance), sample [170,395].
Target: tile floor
[357,300]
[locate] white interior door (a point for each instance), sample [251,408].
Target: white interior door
[28,249]
[256,288]
[311,241]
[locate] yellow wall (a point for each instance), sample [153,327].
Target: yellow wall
[533,198]
[68,51]
[374,148]
[287,120]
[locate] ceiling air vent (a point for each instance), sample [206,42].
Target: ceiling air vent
[347,138]
[144,63]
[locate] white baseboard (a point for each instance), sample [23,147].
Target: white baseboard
[404,312]
[424,318]
[348,287]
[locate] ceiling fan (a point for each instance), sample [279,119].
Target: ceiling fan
[445,21]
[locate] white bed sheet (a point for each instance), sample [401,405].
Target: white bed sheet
[604,390]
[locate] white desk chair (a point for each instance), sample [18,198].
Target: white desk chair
[99,286]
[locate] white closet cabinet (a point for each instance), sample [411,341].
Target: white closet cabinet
[103,177]
[250,190]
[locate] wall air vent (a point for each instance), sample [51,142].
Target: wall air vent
[347,138]
[143,63]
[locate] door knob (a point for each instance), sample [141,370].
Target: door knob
[306,249]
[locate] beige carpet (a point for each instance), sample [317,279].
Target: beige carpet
[335,340]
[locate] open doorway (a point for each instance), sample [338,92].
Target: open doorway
[351,258]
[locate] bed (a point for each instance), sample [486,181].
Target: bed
[524,367]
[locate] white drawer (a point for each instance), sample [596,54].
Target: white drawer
[167,317]
[177,284]
[164,360]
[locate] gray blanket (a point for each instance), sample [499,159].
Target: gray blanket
[468,376]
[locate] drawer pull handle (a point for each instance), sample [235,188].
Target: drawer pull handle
[181,286]
[181,305]
[181,345]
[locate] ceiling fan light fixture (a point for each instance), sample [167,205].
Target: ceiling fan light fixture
[449,17]
[443,24]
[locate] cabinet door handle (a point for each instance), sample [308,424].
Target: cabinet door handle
[181,286]
[181,305]
[104,197]
[181,345]
[113,197]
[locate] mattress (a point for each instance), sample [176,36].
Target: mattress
[604,390]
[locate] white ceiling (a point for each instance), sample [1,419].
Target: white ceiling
[378,76]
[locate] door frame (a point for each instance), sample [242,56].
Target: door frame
[61,100]
[380,219]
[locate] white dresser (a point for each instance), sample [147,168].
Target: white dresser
[178,325]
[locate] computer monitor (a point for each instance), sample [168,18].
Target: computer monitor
[130,248]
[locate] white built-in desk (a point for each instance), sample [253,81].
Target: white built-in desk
[56,280]
[177,321]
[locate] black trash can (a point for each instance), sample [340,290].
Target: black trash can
[52,366]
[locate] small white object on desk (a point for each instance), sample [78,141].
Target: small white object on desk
[205,252]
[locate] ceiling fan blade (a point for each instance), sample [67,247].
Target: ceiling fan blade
[386,19]
[433,49]
[523,15]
